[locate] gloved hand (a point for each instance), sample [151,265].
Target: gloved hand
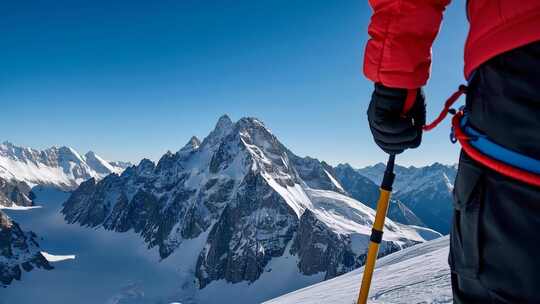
[393,130]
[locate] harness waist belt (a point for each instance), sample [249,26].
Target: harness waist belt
[483,144]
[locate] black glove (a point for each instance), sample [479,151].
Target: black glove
[393,130]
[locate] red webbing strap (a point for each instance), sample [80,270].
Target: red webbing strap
[493,164]
[447,105]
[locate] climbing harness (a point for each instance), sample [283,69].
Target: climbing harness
[480,148]
[377,230]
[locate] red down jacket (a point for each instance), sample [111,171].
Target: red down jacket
[398,53]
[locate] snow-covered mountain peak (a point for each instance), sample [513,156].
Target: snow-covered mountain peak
[146,166]
[68,152]
[251,123]
[224,121]
[192,144]
[222,128]
[62,167]
[90,154]
[261,143]
[412,178]
[100,165]
[249,197]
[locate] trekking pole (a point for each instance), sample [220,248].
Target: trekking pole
[377,230]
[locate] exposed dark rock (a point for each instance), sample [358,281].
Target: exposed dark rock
[320,249]
[19,251]
[14,192]
[255,227]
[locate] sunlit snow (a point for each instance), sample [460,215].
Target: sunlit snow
[57,258]
[20,208]
[418,274]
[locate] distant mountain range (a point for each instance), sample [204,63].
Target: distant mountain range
[61,167]
[426,191]
[366,190]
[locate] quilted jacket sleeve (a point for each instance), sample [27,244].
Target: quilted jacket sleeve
[398,53]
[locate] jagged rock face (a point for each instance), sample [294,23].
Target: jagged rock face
[19,251]
[427,191]
[321,250]
[13,192]
[129,202]
[246,191]
[176,199]
[366,191]
[253,228]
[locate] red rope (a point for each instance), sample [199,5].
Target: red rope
[493,164]
[447,105]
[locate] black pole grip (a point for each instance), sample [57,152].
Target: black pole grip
[389,176]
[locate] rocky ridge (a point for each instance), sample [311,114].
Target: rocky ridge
[19,251]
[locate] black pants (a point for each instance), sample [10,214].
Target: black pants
[495,238]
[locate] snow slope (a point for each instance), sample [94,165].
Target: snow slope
[62,167]
[418,274]
[346,215]
[15,207]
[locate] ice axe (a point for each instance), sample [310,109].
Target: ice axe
[377,230]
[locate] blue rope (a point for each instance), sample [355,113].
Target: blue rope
[481,142]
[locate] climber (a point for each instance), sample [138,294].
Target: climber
[495,237]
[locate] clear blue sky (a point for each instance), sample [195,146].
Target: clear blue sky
[132,79]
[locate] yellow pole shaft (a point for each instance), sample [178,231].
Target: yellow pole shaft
[382,209]
[373,249]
